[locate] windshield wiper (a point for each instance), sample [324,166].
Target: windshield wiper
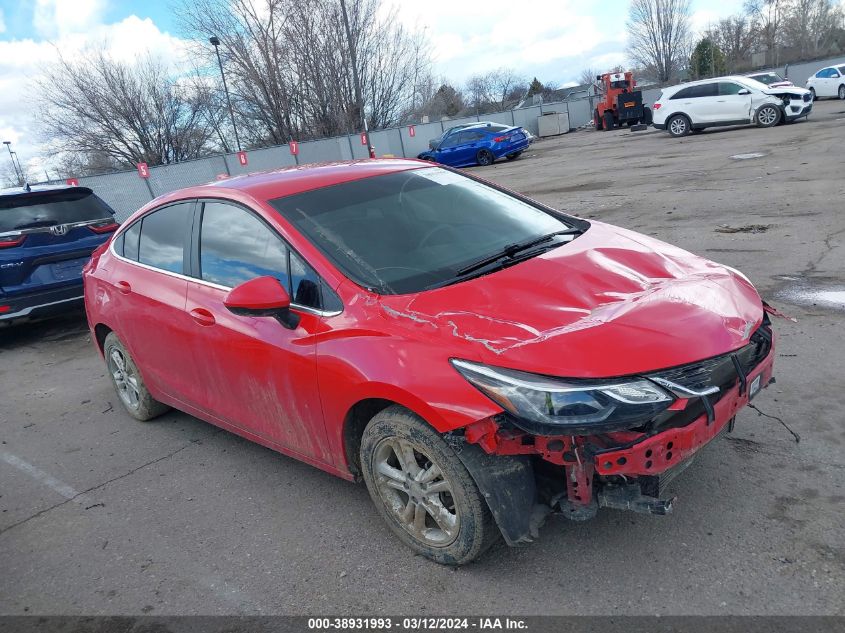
[509,251]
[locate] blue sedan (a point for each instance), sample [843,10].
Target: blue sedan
[480,145]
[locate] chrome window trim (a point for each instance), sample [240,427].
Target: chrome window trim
[295,306]
[47,229]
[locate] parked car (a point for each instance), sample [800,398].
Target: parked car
[828,82]
[479,145]
[771,79]
[433,143]
[46,236]
[695,106]
[477,358]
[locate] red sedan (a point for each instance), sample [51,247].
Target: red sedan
[479,359]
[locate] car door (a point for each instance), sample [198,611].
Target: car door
[150,287]
[255,373]
[730,105]
[704,106]
[825,83]
[449,152]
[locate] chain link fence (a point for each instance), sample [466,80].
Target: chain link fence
[125,191]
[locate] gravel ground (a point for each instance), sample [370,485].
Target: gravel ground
[100,514]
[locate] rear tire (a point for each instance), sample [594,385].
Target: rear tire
[484,157]
[679,125]
[767,116]
[607,119]
[842,92]
[813,93]
[127,381]
[413,476]
[648,117]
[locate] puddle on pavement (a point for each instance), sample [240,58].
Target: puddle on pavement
[813,296]
[748,156]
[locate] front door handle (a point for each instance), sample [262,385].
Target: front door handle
[202,316]
[123,287]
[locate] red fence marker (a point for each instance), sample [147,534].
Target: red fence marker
[73,182]
[242,159]
[294,147]
[412,132]
[143,170]
[363,138]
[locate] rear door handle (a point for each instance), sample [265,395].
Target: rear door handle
[202,316]
[123,287]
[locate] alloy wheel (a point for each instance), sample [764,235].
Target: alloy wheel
[416,491]
[125,379]
[767,116]
[678,127]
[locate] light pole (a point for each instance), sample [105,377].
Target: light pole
[215,42]
[357,83]
[18,175]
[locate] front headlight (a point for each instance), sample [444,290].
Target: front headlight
[550,406]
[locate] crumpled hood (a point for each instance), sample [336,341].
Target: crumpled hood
[777,91]
[612,302]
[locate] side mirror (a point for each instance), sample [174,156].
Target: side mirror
[262,296]
[744,91]
[598,77]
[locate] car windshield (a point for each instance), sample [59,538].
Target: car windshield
[48,208]
[767,78]
[404,232]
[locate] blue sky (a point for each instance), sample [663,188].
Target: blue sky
[551,39]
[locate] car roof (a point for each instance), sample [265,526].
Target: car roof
[8,196]
[286,181]
[19,191]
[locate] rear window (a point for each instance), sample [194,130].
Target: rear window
[29,211]
[841,69]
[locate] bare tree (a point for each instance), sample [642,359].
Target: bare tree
[587,76]
[811,25]
[734,37]
[766,17]
[128,113]
[659,37]
[289,70]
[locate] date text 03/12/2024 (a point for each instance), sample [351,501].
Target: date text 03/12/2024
[415,624]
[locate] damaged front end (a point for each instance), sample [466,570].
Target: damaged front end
[575,446]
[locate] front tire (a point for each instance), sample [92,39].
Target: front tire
[484,157]
[608,120]
[597,121]
[813,93]
[679,125]
[127,381]
[767,116]
[422,489]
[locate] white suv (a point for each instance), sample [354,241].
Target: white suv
[693,106]
[828,82]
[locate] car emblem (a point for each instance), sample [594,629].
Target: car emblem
[59,229]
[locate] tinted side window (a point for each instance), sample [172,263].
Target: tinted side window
[727,88]
[130,241]
[685,93]
[235,246]
[162,242]
[305,285]
[841,70]
[452,140]
[475,135]
[705,90]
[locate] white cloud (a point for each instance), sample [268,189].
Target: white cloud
[23,60]
[53,18]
